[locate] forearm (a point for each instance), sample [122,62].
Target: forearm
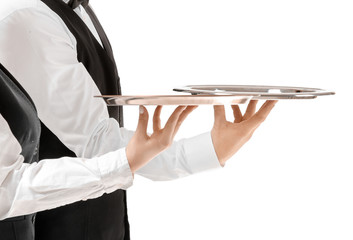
[57,182]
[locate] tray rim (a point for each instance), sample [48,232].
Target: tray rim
[114,100]
[259,95]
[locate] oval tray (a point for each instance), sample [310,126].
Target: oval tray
[256,91]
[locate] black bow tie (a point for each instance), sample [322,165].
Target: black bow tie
[75,3]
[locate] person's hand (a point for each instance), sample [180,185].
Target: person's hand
[229,137]
[143,147]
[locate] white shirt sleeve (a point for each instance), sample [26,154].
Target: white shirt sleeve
[185,157]
[39,50]
[28,188]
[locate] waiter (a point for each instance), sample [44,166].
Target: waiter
[27,186]
[60,54]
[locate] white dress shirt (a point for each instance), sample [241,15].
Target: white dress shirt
[40,51]
[27,188]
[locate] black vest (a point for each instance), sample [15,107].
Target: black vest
[18,110]
[104,218]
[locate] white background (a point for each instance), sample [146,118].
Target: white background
[294,178]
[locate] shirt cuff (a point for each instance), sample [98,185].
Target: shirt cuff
[200,153]
[115,171]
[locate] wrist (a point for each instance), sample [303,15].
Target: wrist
[218,148]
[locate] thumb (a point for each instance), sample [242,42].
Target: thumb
[143,120]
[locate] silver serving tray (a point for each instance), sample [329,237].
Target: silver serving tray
[256,92]
[118,100]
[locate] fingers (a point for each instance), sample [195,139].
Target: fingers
[143,120]
[219,114]
[186,112]
[183,116]
[238,117]
[250,110]
[173,120]
[262,114]
[157,118]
